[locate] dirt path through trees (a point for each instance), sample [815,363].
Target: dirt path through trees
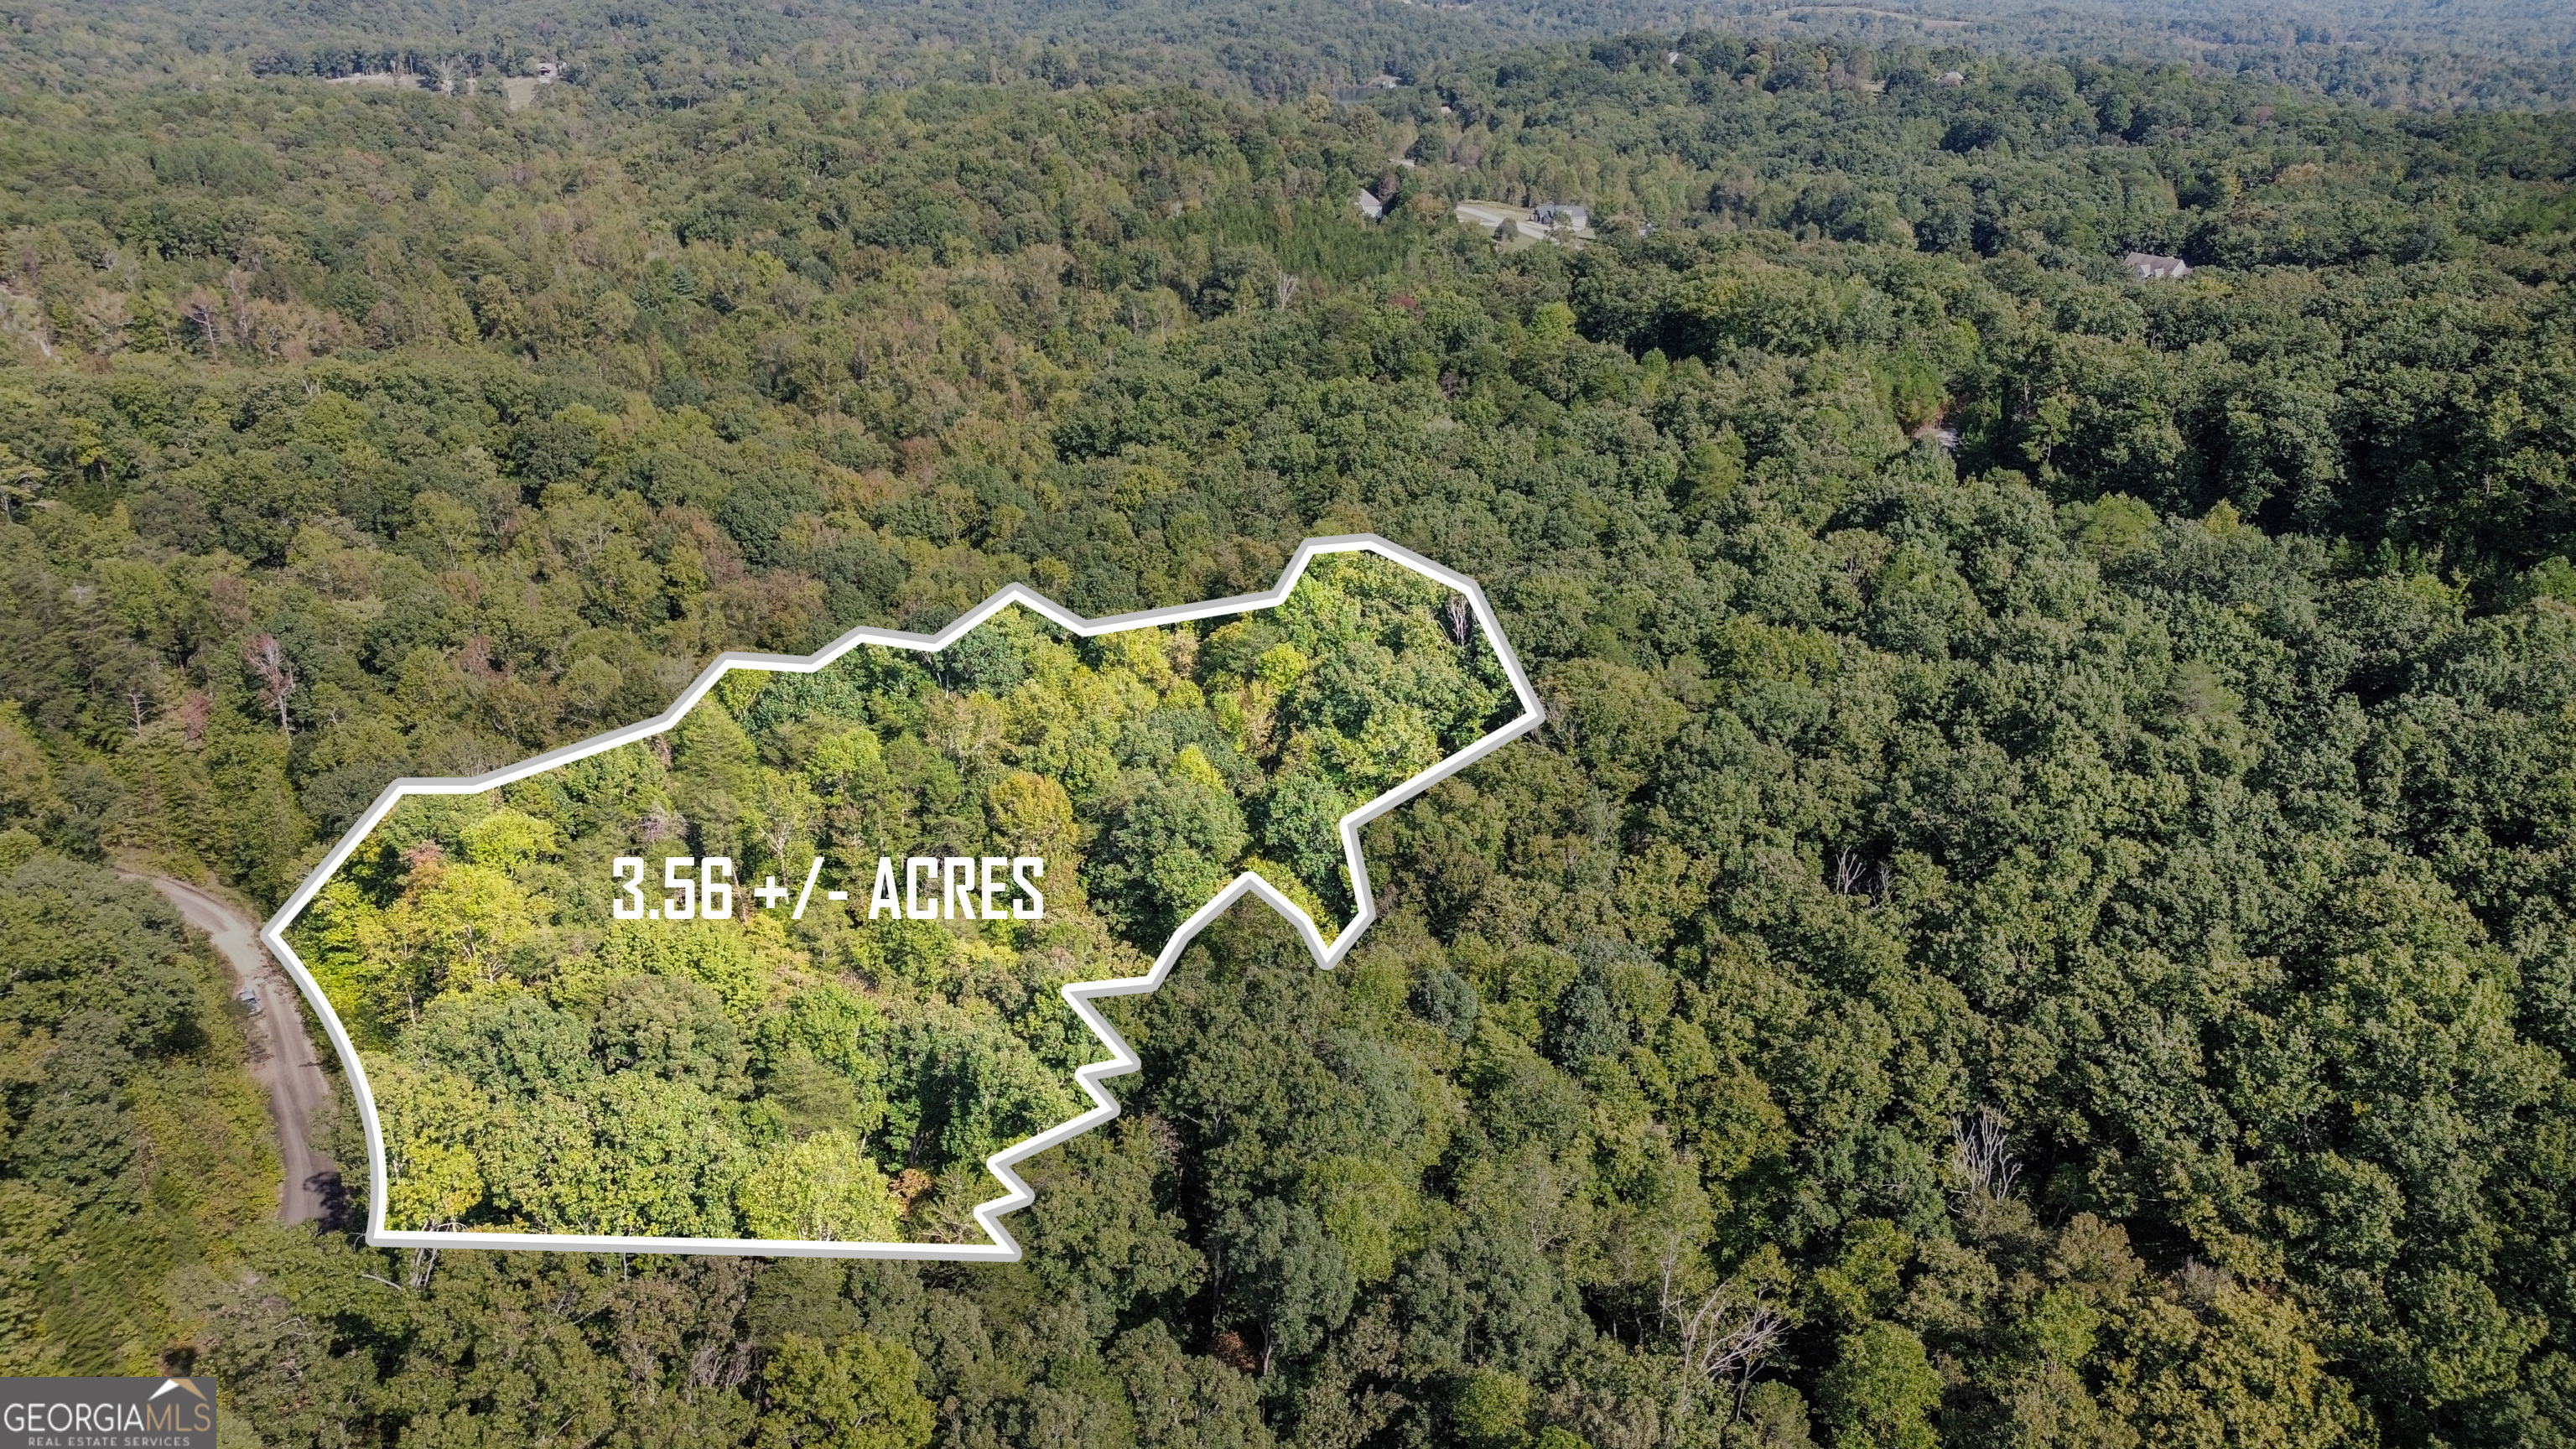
[281,1051]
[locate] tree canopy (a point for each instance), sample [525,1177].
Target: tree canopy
[554,1048]
[2039,913]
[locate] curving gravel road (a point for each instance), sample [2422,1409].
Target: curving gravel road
[281,1052]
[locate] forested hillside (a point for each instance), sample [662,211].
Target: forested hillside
[551,1052]
[135,1149]
[2039,914]
[2413,55]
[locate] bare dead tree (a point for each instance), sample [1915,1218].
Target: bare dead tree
[783,823]
[237,299]
[267,659]
[663,823]
[202,310]
[720,1365]
[1981,1147]
[1282,287]
[1724,1340]
[1461,619]
[423,1262]
[1848,868]
[1856,874]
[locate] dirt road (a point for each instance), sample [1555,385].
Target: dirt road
[281,1052]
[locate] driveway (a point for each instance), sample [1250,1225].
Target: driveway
[281,1053]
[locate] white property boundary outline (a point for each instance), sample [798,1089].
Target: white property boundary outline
[1079,995]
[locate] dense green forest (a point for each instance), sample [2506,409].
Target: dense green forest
[137,1150]
[2039,915]
[553,1052]
[2419,55]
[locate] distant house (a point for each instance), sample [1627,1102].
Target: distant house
[1386,82]
[2148,267]
[546,72]
[1370,207]
[1953,78]
[1561,213]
